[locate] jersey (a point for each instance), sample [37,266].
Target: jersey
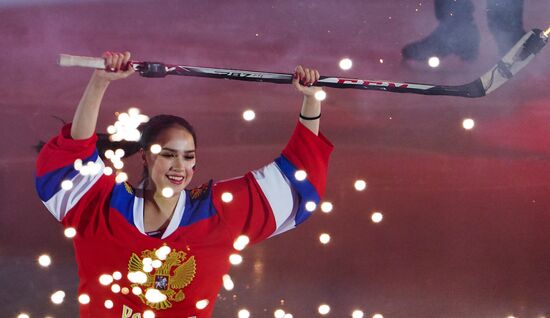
[123,272]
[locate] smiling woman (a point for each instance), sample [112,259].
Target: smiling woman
[171,244]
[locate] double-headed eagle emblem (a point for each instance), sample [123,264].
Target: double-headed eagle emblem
[164,273]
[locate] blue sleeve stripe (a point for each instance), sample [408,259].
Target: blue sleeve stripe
[50,183]
[306,191]
[197,209]
[123,202]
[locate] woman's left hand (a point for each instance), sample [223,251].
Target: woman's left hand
[304,78]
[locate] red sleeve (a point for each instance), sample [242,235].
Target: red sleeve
[270,200]
[55,164]
[62,150]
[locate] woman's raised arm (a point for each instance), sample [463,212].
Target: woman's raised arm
[311,107]
[85,117]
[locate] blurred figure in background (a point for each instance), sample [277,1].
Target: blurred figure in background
[458,34]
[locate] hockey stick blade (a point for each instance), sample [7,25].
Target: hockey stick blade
[516,59]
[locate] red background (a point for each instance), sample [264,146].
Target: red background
[466,213]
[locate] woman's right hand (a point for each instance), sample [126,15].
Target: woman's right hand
[116,66]
[303,80]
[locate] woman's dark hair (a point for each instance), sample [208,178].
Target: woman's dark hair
[151,129]
[149,132]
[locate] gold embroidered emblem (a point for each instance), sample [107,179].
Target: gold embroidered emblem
[197,192]
[165,278]
[128,188]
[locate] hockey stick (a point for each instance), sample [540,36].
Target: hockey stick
[518,56]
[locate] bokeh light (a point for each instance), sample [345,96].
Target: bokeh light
[115,288]
[121,177]
[357,314]
[201,304]
[117,275]
[324,309]
[227,197]
[324,238]
[345,64]
[58,297]
[120,153]
[243,313]
[125,128]
[66,185]
[154,295]
[77,164]
[311,206]
[228,282]
[70,232]
[468,123]
[434,61]
[136,290]
[300,175]
[84,299]
[320,95]
[241,242]
[109,153]
[108,304]
[167,192]
[360,185]
[156,263]
[326,207]
[377,217]
[108,171]
[105,279]
[156,148]
[148,314]
[163,252]
[44,260]
[249,115]
[235,259]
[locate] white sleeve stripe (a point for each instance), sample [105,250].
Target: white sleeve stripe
[290,222]
[64,200]
[279,194]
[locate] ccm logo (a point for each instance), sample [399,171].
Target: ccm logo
[371,83]
[239,74]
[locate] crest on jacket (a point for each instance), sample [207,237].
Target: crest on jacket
[161,274]
[200,192]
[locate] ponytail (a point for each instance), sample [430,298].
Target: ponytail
[104,143]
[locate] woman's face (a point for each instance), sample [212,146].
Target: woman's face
[173,166]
